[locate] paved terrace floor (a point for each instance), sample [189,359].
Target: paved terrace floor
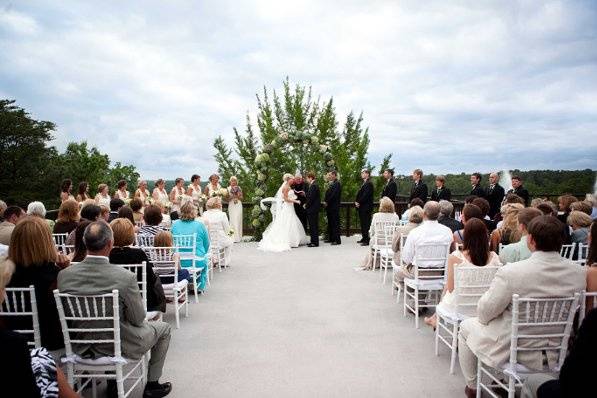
[303,324]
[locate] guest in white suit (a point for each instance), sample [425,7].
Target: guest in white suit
[544,274]
[218,226]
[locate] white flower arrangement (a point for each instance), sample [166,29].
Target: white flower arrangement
[231,232]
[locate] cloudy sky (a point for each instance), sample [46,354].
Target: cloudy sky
[445,86]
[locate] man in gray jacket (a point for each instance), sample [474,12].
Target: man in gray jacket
[95,275]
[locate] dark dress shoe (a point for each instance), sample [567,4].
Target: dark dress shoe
[470,392]
[335,243]
[312,245]
[157,390]
[360,241]
[364,243]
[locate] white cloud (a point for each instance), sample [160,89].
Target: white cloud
[469,85]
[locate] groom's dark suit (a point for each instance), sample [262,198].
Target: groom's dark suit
[298,207]
[312,210]
[332,200]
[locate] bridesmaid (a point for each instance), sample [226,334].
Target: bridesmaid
[235,208]
[176,194]
[142,193]
[194,191]
[83,194]
[214,186]
[122,193]
[103,197]
[159,193]
[65,190]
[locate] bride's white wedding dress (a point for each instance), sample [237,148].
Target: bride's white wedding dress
[286,230]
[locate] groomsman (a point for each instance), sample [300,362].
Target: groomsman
[441,192]
[519,190]
[419,188]
[312,206]
[390,190]
[476,188]
[494,195]
[332,207]
[364,205]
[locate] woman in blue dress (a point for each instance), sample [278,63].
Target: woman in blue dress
[188,225]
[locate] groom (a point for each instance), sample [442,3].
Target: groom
[332,207]
[312,206]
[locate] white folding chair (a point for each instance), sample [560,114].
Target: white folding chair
[144,240]
[95,321]
[186,248]
[582,253]
[584,297]
[379,242]
[59,240]
[165,267]
[429,267]
[470,283]
[20,302]
[567,250]
[539,325]
[386,254]
[217,252]
[396,268]
[141,270]
[67,249]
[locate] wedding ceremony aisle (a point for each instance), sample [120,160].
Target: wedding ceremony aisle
[302,324]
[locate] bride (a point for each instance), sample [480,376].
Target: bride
[286,230]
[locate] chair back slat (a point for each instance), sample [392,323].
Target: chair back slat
[470,283]
[20,305]
[389,231]
[140,270]
[59,239]
[567,250]
[165,263]
[582,253]
[145,240]
[430,260]
[380,228]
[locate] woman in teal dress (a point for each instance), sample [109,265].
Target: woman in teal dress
[187,225]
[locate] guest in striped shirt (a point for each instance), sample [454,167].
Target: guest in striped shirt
[153,219]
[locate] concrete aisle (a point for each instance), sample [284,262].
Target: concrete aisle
[303,324]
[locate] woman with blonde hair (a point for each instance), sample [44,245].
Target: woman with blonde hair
[103,196]
[218,226]
[188,225]
[38,263]
[580,223]
[508,231]
[235,208]
[386,214]
[68,217]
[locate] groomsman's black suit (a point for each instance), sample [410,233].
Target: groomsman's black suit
[441,194]
[365,201]
[298,207]
[495,196]
[478,190]
[332,210]
[390,190]
[522,192]
[312,206]
[419,190]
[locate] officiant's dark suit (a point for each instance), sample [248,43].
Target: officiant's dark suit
[332,210]
[390,190]
[442,193]
[419,190]
[494,195]
[301,197]
[365,209]
[312,205]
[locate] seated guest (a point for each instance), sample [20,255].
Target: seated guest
[579,222]
[445,216]
[188,225]
[37,209]
[29,373]
[483,204]
[469,212]
[468,200]
[104,213]
[544,274]
[124,253]
[152,217]
[136,206]
[217,223]
[584,206]
[80,250]
[12,215]
[537,201]
[387,213]
[37,263]
[591,264]
[127,212]
[548,208]
[507,231]
[3,207]
[413,203]
[68,217]
[164,239]
[564,203]
[90,212]
[115,205]
[415,218]
[95,275]
[577,371]
[475,252]
[441,192]
[591,198]
[520,250]
[430,231]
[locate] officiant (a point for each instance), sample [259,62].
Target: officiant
[299,187]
